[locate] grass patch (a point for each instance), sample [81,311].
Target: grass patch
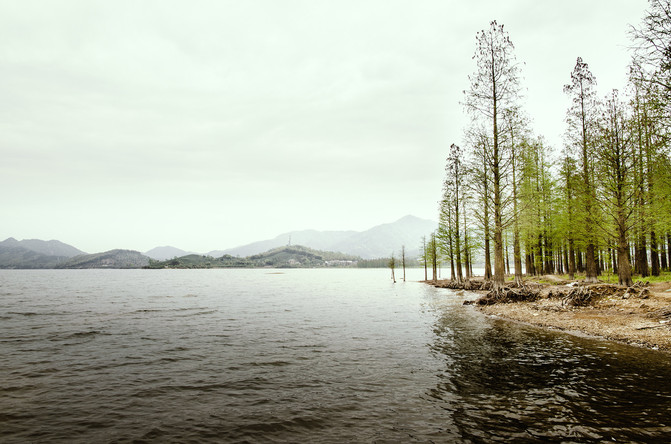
[664,276]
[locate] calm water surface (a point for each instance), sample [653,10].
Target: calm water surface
[302,356]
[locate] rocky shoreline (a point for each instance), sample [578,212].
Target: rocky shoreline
[638,315]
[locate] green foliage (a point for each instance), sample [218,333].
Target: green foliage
[604,200]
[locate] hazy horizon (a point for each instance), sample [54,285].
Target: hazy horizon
[219,248]
[212,124]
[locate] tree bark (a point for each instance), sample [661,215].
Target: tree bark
[654,254]
[642,257]
[624,267]
[571,259]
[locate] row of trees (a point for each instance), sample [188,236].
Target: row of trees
[602,203]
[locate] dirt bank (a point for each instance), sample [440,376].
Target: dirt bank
[640,315]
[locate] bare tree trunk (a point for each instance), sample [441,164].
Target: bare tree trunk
[452,275]
[467,254]
[434,257]
[590,264]
[528,260]
[488,264]
[426,259]
[580,267]
[507,260]
[642,257]
[654,254]
[623,265]
[548,266]
[571,259]
[538,262]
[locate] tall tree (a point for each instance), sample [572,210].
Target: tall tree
[432,248]
[568,177]
[515,128]
[445,233]
[451,205]
[494,88]
[582,118]
[651,74]
[468,262]
[478,184]
[615,161]
[653,49]
[425,257]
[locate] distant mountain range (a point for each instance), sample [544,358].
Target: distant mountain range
[167,252]
[35,253]
[377,242]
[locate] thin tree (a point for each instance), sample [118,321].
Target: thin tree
[652,41]
[581,118]
[392,266]
[494,88]
[451,206]
[478,183]
[433,255]
[403,260]
[467,248]
[615,156]
[515,126]
[568,178]
[425,258]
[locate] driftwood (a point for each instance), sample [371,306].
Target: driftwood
[662,313]
[638,290]
[507,294]
[469,284]
[578,297]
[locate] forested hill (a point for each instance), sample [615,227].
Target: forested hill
[108,259]
[294,256]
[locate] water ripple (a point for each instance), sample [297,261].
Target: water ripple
[324,356]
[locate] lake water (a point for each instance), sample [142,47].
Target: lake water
[332,355]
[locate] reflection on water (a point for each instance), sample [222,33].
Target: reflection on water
[505,381]
[303,356]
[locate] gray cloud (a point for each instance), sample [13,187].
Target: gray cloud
[208,124]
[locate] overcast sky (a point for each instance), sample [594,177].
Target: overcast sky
[210,124]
